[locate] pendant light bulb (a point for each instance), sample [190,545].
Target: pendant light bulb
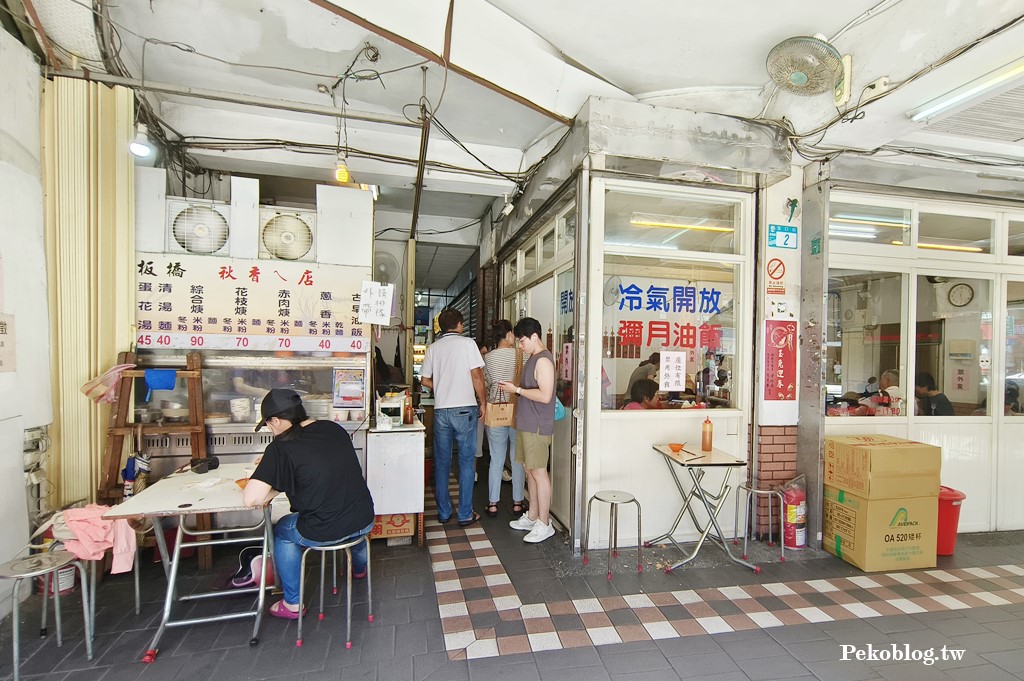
[341,174]
[141,146]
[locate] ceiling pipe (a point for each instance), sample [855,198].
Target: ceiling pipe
[421,164]
[236,98]
[430,56]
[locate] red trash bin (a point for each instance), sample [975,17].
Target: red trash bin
[949,520]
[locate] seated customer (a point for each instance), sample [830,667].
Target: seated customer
[644,395]
[314,464]
[930,400]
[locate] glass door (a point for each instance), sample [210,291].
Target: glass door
[564,353]
[1010,428]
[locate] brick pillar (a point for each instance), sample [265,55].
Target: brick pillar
[776,456]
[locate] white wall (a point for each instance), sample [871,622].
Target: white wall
[25,393]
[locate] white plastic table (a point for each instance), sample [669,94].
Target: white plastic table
[696,463]
[183,494]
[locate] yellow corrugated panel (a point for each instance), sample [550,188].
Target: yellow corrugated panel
[90,235]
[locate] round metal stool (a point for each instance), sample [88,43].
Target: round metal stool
[752,491]
[333,550]
[614,498]
[43,565]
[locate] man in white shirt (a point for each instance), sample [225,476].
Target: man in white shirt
[453,369]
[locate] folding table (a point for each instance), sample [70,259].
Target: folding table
[696,465]
[183,494]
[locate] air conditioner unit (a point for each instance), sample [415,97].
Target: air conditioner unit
[854,318]
[197,227]
[287,234]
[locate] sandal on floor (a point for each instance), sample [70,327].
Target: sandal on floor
[473,520]
[492,510]
[519,507]
[279,610]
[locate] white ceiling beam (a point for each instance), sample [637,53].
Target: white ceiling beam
[486,46]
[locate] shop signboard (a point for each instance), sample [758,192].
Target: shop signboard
[206,302]
[780,360]
[649,306]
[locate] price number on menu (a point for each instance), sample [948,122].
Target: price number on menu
[147,340]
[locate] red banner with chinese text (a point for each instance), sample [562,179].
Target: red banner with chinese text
[780,360]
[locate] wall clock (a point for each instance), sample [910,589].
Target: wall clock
[960,294]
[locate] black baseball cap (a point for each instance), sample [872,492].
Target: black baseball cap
[275,402]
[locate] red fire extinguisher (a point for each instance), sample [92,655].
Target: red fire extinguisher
[795,515]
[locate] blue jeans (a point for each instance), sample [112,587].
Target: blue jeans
[458,425]
[497,439]
[288,545]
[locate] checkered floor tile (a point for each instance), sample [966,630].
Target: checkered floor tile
[482,616]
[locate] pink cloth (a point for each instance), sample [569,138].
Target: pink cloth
[94,535]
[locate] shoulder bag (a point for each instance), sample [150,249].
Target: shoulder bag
[503,414]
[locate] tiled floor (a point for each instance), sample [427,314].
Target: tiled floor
[478,603]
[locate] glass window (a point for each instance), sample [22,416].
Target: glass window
[529,262]
[653,305]
[1016,241]
[674,223]
[868,224]
[953,346]
[510,271]
[547,247]
[1013,401]
[863,350]
[567,229]
[956,233]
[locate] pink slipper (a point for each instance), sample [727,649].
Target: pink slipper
[279,610]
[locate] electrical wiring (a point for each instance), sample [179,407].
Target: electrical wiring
[256,144]
[961,50]
[453,138]
[432,232]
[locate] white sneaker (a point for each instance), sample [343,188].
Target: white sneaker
[523,523]
[506,476]
[539,533]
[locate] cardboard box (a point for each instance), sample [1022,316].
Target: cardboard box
[880,534]
[393,525]
[882,466]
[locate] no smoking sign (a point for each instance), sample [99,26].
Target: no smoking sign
[776,271]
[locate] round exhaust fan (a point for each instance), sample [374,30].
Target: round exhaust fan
[287,237]
[200,229]
[385,268]
[805,65]
[611,292]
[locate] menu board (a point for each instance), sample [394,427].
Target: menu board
[189,301]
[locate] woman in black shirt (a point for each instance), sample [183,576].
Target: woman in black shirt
[315,465]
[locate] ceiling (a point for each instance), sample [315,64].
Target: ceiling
[505,77]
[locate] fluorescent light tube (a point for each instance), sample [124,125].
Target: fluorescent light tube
[968,91]
[646,220]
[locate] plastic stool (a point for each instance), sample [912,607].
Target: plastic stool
[333,550]
[43,565]
[754,492]
[614,498]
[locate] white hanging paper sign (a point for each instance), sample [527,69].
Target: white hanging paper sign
[7,356]
[375,303]
[673,372]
